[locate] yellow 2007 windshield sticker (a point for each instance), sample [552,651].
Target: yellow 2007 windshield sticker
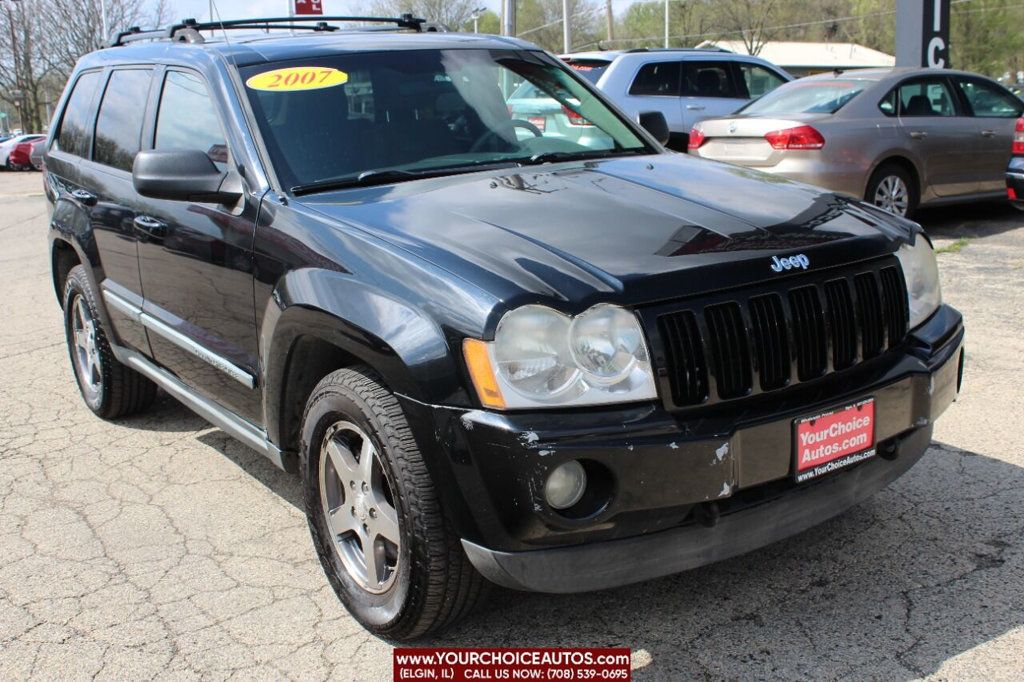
[297,78]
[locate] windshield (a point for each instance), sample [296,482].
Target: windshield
[807,97]
[410,112]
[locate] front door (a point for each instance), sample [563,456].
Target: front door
[994,112]
[195,260]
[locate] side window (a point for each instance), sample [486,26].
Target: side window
[926,98]
[76,126]
[709,79]
[659,78]
[888,104]
[119,125]
[187,118]
[988,101]
[759,80]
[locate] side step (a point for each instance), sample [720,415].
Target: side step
[228,421]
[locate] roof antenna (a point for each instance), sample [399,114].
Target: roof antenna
[215,10]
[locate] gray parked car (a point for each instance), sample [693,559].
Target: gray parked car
[685,85]
[899,138]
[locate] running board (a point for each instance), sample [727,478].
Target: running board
[232,424]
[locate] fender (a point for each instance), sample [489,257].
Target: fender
[901,154]
[400,342]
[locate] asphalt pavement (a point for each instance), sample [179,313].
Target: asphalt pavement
[157,547]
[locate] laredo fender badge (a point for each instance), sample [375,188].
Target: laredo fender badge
[297,78]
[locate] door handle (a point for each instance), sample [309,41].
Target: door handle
[150,226]
[988,133]
[87,198]
[918,134]
[695,107]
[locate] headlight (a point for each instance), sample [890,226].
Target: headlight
[543,358]
[922,274]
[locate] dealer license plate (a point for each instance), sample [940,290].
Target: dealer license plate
[833,440]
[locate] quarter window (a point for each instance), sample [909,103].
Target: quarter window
[187,118]
[926,98]
[659,78]
[76,127]
[989,101]
[759,80]
[119,125]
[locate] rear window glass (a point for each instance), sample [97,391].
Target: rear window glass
[75,129]
[808,97]
[591,69]
[119,125]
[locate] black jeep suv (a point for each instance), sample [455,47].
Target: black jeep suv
[492,353]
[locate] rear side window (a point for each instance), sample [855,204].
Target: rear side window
[709,79]
[187,118]
[119,125]
[988,101]
[76,126]
[659,78]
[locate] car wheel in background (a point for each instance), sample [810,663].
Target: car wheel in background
[389,552]
[892,188]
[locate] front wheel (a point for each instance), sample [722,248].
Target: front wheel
[892,189]
[387,549]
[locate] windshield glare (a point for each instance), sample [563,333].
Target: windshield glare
[417,110]
[808,97]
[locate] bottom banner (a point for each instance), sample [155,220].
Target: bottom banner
[511,664]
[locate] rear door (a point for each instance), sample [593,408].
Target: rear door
[937,131]
[656,87]
[710,88]
[196,261]
[104,186]
[994,112]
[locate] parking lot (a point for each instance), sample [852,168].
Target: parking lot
[158,547]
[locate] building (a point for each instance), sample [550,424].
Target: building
[804,59]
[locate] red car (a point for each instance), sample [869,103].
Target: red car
[22,156]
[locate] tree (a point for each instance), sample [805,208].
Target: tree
[451,13]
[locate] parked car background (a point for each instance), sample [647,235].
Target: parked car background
[21,157]
[685,85]
[7,147]
[38,151]
[536,113]
[1015,168]
[898,138]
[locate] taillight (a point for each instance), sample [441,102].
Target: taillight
[697,138]
[1011,194]
[801,137]
[574,118]
[1018,137]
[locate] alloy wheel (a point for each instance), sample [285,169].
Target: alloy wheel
[892,195]
[87,352]
[359,507]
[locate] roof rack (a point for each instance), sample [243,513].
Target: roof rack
[677,49]
[188,29]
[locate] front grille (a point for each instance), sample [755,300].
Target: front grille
[791,331]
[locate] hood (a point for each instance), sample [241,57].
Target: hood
[628,230]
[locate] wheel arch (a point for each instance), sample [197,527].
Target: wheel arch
[318,321]
[898,159]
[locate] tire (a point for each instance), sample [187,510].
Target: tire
[109,388]
[422,583]
[892,188]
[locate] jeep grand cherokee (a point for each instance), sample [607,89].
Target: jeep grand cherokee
[490,356]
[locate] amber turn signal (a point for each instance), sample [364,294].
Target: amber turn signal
[478,360]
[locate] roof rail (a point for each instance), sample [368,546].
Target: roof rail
[677,49]
[188,29]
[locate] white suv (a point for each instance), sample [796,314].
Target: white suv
[685,84]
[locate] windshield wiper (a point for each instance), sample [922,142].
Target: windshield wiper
[554,157]
[385,176]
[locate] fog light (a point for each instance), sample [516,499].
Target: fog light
[565,485]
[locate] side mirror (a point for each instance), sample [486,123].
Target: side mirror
[654,122]
[183,175]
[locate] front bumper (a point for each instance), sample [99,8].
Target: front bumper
[684,491]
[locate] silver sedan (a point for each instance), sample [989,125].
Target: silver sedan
[898,138]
